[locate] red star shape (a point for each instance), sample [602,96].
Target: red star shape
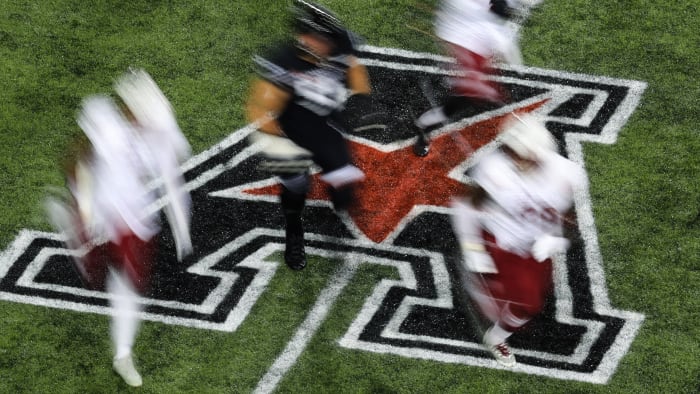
[397,181]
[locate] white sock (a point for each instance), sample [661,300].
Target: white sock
[125,321]
[496,335]
[431,117]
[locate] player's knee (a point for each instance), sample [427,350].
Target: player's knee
[296,184]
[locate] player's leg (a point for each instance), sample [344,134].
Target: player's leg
[470,89]
[523,285]
[473,80]
[124,326]
[292,201]
[501,287]
[129,277]
[331,153]
[491,303]
[528,289]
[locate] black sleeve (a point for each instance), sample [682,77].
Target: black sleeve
[274,65]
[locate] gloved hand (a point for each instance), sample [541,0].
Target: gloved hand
[547,246]
[363,114]
[280,155]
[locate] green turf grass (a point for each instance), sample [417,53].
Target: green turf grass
[644,188]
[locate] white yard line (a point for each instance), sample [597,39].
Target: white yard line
[307,329]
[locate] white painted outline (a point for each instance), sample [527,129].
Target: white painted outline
[564,305]
[258,261]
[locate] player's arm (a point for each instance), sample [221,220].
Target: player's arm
[358,78]
[477,196]
[549,245]
[467,227]
[552,244]
[266,101]
[79,151]
[361,113]
[568,220]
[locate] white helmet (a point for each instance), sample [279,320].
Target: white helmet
[151,108]
[144,98]
[527,136]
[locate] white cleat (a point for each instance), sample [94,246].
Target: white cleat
[125,368]
[502,354]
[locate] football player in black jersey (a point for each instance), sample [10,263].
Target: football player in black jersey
[299,91]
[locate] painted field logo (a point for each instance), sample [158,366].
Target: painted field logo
[402,222]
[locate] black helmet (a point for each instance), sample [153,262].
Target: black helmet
[313,18]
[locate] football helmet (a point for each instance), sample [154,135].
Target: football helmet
[144,99]
[313,18]
[527,136]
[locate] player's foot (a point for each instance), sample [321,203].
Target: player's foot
[422,145]
[294,255]
[125,368]
[502,354]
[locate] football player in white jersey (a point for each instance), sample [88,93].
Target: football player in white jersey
[133,159]
[511,225]
[475,33]
[300,87]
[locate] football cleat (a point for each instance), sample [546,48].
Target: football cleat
[502,354]
[422,145]
[294,255]
[125,368]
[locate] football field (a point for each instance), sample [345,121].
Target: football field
[378,308]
